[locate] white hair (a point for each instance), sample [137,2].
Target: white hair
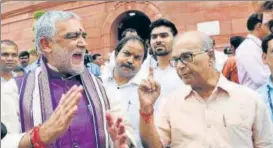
[207,42]
[46,25]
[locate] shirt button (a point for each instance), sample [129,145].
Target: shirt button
[118,87]
[208,126]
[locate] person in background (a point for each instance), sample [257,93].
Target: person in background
[24,60]
[93,67]
[34,59]
[97,59]
[129,32]
[130,54]
[266,8]
[112,61]
[267,89]
[252,72]
[8,60]
[19,71]
[162,34]
[230,67]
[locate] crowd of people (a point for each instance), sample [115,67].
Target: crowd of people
[171,90]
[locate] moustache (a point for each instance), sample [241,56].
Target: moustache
[129,66]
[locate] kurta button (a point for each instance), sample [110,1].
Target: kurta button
[75,145]
[208,126]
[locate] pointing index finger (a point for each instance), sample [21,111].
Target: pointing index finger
[151,72]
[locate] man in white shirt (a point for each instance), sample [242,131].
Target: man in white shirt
[8,60]
[112,60]
[252,72]
[121,83]
[162,33]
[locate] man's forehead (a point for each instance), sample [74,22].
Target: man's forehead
[70,25]
[161,29]
[187,44]
[8,48]
[134,47]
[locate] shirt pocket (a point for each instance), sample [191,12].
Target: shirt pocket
[237,128]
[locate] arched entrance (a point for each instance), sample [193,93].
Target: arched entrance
[109,31]
[136,20]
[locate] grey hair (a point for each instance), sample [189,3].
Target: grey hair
[207,42]
[46,25]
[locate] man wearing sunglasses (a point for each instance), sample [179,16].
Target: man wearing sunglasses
[61,103]
[212,112]
[252,72]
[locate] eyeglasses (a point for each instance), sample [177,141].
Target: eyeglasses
[186,57]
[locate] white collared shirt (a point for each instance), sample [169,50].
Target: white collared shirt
[252,72]
[169,81]
[128,97]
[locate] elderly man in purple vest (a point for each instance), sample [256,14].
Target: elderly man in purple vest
[62,105]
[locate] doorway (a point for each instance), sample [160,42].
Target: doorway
[135,20]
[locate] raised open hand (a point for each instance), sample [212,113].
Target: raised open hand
[116,131]
[62,116]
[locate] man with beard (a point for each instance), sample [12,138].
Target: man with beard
[211,112]
[121,82]
[61,103]
[162,33]
[8,60]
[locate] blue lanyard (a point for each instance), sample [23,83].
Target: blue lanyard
[270,100]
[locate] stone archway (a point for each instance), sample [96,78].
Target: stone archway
[108,31]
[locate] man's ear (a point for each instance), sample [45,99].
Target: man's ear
[264,58]
[211,54]
[46,45]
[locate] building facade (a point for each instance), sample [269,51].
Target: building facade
[104,20]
